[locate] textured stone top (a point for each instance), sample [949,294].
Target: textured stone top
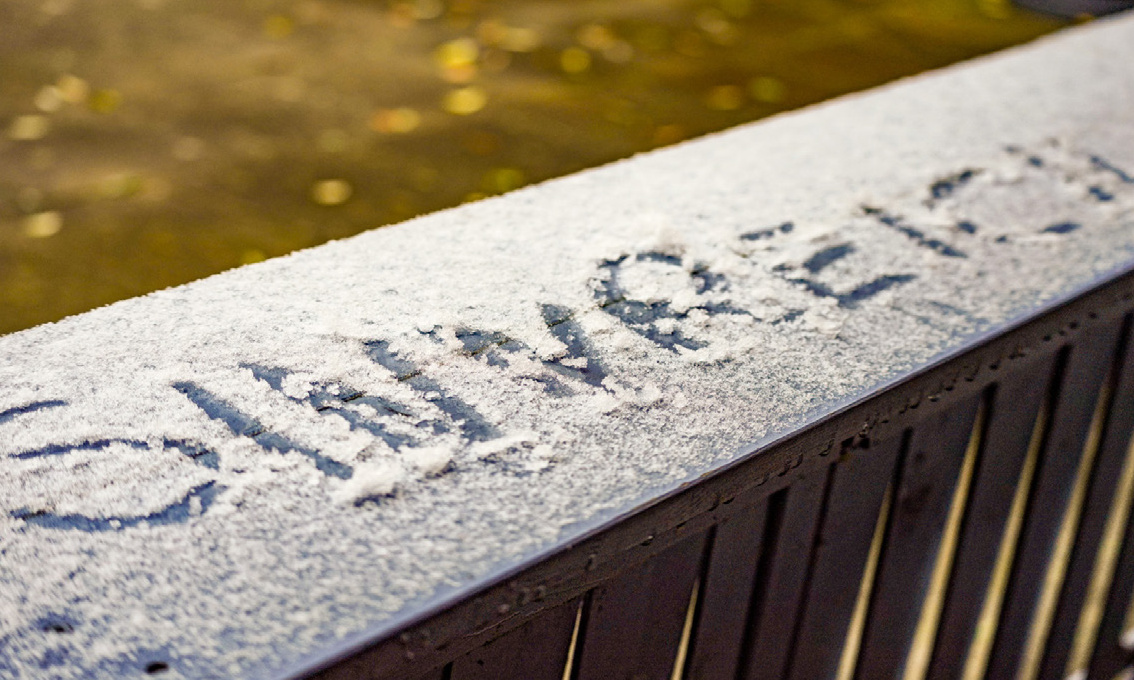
[233,475]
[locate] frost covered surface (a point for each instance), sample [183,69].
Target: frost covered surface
[232,475]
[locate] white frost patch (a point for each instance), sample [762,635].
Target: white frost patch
[684,299]
[666,238]
[574,362]
[547,347]
[618,395]
[604,402]
[428,460]
[370,480]
[296,387]
[828,321]
[501,444]
[649,394]
[654,281]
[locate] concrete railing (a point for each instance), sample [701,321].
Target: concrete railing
[844,393]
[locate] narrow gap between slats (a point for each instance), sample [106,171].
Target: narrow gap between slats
[1086,633]
[1099,548]
[688,644]
[823,507]
[1057,566]
[633,622]
[929,471]
[977,660]
[687,630]
[572,649]
[857,488]
[578,638]
[849,657]
[777,504]
[1100,487]
[1035,463]
[1127,640]
[728,577]
[895,481]
[917,663]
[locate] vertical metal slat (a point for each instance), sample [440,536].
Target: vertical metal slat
[1104,477]
[928,476]
[632,624]
[858,488]
[1088,365]
[725,595]
[1110,656]
[536,650]
[793,518]
[1013,411]
[442,673]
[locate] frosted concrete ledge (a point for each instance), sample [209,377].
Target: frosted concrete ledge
[229,477]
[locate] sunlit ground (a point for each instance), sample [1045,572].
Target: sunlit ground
[147,143]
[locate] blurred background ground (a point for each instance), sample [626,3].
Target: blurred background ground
[147,143]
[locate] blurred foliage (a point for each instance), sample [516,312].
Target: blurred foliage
[147,143]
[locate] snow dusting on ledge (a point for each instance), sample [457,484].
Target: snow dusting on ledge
[234,474]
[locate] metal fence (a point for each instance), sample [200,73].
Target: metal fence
[969,520]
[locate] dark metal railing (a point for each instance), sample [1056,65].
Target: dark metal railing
[961,522]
